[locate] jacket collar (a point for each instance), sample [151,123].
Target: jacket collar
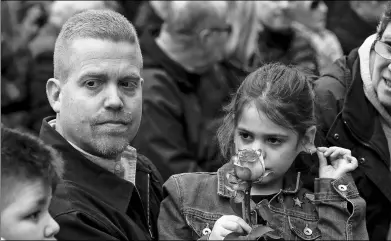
[96,180]
[154,57]
[292,182]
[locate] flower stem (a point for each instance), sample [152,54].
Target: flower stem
[247,206]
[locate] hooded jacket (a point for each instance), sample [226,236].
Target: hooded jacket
[347,119]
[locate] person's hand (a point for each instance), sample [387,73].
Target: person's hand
[228,224]
[341,162]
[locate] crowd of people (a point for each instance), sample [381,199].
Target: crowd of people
[125,119]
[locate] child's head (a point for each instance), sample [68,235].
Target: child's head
[30,171]
[273,110]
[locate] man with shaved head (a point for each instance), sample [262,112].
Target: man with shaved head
[192,40]
[109,190]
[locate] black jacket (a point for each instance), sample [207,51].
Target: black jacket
[347,119]
[94,204]
[173,132]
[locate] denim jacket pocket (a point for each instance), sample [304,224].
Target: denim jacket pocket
[303,229]
[201,222]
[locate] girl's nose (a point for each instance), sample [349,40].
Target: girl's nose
[52,229]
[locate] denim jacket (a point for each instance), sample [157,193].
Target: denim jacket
[195,201]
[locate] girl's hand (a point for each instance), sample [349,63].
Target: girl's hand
[341,162]
[228,224]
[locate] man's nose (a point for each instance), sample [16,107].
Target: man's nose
[51,229]
[113,98]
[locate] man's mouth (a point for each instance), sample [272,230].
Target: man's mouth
[115,122]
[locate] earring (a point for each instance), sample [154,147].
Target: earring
[309,151]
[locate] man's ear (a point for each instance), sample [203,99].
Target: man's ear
[53,92]
[308,139]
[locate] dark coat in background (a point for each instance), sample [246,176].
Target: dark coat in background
[176,131]
[288,47]
[350,29]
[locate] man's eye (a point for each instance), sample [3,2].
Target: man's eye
[92,83]
[128,84]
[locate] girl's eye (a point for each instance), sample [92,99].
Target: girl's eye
[274,141]
[34,216]
[245,135]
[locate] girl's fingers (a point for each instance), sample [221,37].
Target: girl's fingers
[322,159]
[243,225]
[224,232]
[229,219]
[232,226]
[352,163]
[334,151]
[322,149]
[330,150]
[340,151]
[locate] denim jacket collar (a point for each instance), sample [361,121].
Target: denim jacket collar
[291,183]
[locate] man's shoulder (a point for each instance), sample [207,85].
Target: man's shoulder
[70,198]
[82,214]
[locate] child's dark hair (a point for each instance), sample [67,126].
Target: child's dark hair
[282,92]
[24,157]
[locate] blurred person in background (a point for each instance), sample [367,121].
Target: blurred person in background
[280,42]
[353,21]
[242,58]
[192,40]
[354,111]
[42,49]
[151,15]
[129,8]
[20,24]
[310,20]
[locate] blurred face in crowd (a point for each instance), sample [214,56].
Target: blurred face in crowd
[215,38]
[310,13]
[99,106]
[369,11]
[61,11]
[275,14]
[380,64]
[24,212]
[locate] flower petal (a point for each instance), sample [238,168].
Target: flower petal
[243,173]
